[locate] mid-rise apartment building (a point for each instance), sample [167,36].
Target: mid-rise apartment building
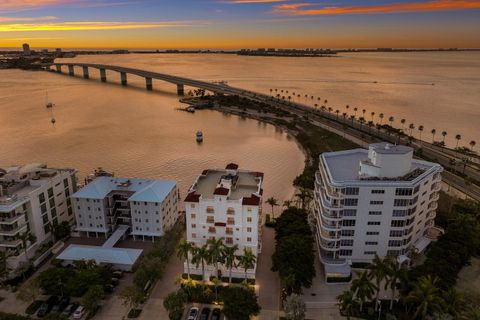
[33,199]
[226,204]
[147,207]
[377,201]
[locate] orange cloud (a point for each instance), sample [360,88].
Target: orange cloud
[24,19]
[251,1]
[28,4]
[309,9]
[91,25]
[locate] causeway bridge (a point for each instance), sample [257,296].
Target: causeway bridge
[124,72]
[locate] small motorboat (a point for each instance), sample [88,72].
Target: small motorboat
[48,104]
[199,136]
[53,121]
[191,109]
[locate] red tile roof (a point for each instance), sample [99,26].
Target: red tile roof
[252,201]
[221,191]
[192,197]
[232,166]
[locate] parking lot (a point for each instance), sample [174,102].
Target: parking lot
[198,311]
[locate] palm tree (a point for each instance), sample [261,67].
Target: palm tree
[395,272]
[272,202]
[201,256]
[363,288]
[426,298]
[372,114]
[381,115]
[433,132]
[391,119]
[355,109]
[347,303]
[411,127]
[26,238]
[215,248]
[444,134]
[378,271]
[352,117]
[337,112]
[287,204]
[403,123]
[363,112]
[247,260]
[458,137]
[184,249]
[347,107]
[420,129]
[304,195]
[454,302]
[472,144]
[230,259]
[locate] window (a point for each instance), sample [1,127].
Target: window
[211,230]
[400,213]
[398,223]
[373,223]
[192,205]
[370,252]
[230,211]
[228,231]
[416,189]
[230,221]
[375,213]
[249,229]
[50,192]
[210,210]
[350,202]
[351,191]
[229,240]
[396,233]
[210,219]
[371,243]
[249,239]
[403,191]
[44,208]
[346,243]
[373,233]
[345,252]
[376,202]
[349,212]
[348,233]
[193,215]
[41,197]
[378,191]
[249,219]
[395,243]
[348,223]
[393,253]
[194,235]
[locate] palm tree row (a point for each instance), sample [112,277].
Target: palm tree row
[362,119]
[216,253]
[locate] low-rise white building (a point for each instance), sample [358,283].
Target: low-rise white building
[33,199]
[147,207]
[376,201]
[226,204]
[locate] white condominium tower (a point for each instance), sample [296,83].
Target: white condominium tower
[146,208]
[33,199]
[226,204]
[376,201]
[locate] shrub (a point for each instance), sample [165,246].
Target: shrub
[33,307]
[134,313]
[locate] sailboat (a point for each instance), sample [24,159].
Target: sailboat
[48,104]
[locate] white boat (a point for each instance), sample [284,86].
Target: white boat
[199,136]
[191,109]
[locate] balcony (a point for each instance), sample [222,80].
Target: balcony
[329,235]
[10,243]
[11,231]
[330,226]
[329,245]
[9,219]
[435,196]
[433,205]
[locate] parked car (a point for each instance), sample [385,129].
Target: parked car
[70,309]
[205,313]
[115,282]
[193,313]
[78,314]
[108,288]
[61,305]
[216,314]
[118,274]
[47,306]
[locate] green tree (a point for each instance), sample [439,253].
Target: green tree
[240,303]
[184,249]
[363,288]
[26,238]
[347,303]
[304,195]
[174,303]
[4,267]
[92,298]
[426,298]
[378,271]
[247,260]
[395,272]
[61,230]
[294,307]
[201,256]
[229,253]
[53,280]
[454,302]
[149,269]
[132,297]
[273,203]
[215,251]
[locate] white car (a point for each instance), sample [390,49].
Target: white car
[78,314]
[193,313]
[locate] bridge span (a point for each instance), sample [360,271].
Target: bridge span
[181,82]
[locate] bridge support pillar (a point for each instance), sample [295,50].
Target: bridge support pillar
[148,83]
[71,71]
[59,68]
[85,73]
[180,90]
[103,75]
[123,78]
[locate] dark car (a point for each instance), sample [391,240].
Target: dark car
[205,313]
[69,309]
[115,282]
[216,314]
[47,306]
[61,305]
[118,274]
[192,314]
[108,288]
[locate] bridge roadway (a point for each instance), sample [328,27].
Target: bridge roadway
[358,129]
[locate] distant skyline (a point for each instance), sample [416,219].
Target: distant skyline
[232,24]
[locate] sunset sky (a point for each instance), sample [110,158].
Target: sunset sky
[234,24]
